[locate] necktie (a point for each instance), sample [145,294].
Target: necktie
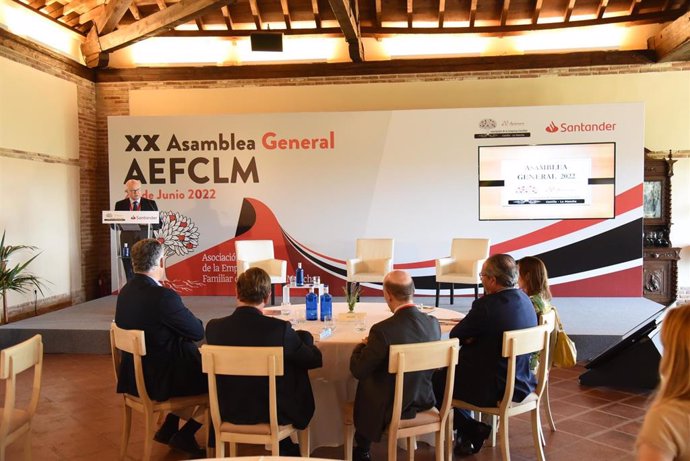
[135,206]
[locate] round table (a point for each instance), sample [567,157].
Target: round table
[333,385]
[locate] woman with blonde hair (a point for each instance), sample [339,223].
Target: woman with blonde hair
[534,281]
[665,433]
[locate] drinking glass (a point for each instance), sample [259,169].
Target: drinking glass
[360,325]
[329,322]
[297,318]
[285,308]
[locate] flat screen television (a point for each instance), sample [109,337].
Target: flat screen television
[547,181]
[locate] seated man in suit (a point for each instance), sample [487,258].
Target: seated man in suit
[369,364]
[244,400]
[481,371]
[172,364]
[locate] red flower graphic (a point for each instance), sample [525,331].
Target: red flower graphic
[178,234]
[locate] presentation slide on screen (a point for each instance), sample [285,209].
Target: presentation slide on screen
[558,181]
[313,183]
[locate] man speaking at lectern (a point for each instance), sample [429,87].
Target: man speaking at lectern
[134,202]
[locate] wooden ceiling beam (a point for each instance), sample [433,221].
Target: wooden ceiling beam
[317,14]
[673,42]
[398,66]
[111,15]
[379,8]
[441,12]
[410,9]
[95,46]
[135,11]
[537,11]
[634,7]
[161,4]
[199,23]
[347,14]
[473,12]
[91,14]
[286,14]
[82,6]
[227,18]
[489,30]
[256,14]
[602,8]
[569,11]
[504,12]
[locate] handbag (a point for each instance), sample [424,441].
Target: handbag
[565,352]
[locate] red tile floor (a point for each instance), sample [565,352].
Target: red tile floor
[79,418]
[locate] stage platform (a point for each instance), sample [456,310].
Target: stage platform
[593,323]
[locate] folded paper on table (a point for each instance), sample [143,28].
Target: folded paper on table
[351,316]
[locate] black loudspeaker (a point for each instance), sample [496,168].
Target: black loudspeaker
[633,362]
[266,41]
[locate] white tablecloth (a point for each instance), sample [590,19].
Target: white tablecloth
[333,384]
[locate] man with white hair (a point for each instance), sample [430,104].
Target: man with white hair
[134,202]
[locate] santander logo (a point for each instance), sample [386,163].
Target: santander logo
[580,127]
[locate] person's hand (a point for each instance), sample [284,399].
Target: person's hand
[306,337]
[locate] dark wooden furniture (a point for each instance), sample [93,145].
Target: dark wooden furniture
[660,259]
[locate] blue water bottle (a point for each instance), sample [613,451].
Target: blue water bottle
[312,305]
[326,304]
[299,276]
[125,250]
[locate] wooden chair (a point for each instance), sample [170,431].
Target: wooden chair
[517,342]
[549,319]
[408,358]
[467,255]
[16,422]
[133,342]
[248,361]
[260,253]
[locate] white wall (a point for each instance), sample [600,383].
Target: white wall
[39,175]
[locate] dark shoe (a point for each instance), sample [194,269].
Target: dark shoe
[185,442]
[463,448]
[360,454]
[480,434]
[167,429]
[289,448]
[163,435]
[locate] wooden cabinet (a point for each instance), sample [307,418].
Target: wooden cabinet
[660,261]
[660,274]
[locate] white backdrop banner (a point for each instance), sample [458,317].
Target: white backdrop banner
[315,182]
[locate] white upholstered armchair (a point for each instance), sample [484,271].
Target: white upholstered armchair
[373,260]
[259,253]
[463,266]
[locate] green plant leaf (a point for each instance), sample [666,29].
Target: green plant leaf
[17,278]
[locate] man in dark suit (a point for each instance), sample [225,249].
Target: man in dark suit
[172,364]
[244,400]
[481,371]
[369,364]
[134,202]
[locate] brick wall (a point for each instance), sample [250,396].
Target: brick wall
[93,237]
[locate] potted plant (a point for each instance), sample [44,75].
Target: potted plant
[352,295]
[15,278]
